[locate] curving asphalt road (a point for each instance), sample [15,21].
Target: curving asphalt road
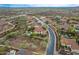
[51,47]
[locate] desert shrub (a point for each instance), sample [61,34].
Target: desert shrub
[11,35]
[3,50]
[23,45]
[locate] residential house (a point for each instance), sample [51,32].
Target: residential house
[70,43]
[64,25]
[39,29]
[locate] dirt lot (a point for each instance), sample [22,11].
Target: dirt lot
[4,25]
[31,46]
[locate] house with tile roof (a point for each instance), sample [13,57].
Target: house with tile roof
[70,43]
[39,29]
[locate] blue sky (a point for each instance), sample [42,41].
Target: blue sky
[39,5]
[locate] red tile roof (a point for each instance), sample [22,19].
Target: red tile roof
[38,29]
[71,42]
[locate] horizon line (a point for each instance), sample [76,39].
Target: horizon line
[39,5]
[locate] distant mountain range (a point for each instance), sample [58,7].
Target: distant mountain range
[37,5]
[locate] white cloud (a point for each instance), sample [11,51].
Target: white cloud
[54,5]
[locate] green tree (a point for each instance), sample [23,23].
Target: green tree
[58,19]
[71,29]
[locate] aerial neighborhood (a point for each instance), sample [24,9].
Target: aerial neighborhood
[39,31]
